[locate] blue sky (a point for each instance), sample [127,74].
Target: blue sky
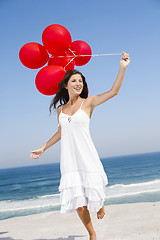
[127,123]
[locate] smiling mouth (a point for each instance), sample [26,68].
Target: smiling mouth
[77,89]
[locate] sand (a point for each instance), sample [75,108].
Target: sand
[135,221]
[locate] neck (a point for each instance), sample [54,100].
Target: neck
[73,100]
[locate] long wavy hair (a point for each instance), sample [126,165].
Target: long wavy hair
[62,93]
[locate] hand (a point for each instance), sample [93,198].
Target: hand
[36,153]
[125,60]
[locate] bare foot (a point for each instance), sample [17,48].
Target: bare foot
[101,213]
[93,236]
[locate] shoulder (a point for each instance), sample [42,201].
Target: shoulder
[59,109]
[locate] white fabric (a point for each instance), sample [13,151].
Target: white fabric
[83,178]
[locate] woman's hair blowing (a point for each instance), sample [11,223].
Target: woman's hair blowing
[62,93]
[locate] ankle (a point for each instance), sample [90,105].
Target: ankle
[93,236]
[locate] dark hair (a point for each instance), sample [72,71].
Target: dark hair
[62,93]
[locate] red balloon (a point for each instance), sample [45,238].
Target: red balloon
[63,61]
[48,78]
[33,55]
[56,39]
[81,48]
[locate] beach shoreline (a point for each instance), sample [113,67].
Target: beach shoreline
[133,221]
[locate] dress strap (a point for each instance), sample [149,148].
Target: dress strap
[61,111]
[81,103]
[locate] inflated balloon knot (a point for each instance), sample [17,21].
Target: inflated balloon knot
[73,52]
[69,63]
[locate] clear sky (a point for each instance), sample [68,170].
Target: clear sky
[126,124]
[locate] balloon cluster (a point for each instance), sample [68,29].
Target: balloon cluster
[60,54]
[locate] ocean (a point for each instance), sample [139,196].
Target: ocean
[34,189]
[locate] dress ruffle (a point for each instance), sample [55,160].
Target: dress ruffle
[79,188]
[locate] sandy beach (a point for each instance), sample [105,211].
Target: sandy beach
[138,221]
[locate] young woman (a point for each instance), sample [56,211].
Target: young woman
[83,179]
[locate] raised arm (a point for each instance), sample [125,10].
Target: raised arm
[101,98]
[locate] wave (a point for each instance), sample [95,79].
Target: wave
[50,201]
[29,204]
[119,190]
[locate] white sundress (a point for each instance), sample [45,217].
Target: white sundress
[83,178]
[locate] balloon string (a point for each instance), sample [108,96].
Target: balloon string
[69,62]
[72,52]
[103,54]
[93,55]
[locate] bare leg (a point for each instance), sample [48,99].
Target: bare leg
[101,212]
[85,217]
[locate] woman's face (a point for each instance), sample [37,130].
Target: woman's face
[75,84]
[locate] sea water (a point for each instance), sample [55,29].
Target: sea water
[34,189]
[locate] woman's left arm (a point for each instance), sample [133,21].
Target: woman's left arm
[101,98]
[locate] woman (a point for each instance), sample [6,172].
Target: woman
[83,180]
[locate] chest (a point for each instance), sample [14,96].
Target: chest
[79,118]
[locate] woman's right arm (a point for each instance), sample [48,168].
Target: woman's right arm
[56,137]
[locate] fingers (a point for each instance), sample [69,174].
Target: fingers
[35,156]
[125,55]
